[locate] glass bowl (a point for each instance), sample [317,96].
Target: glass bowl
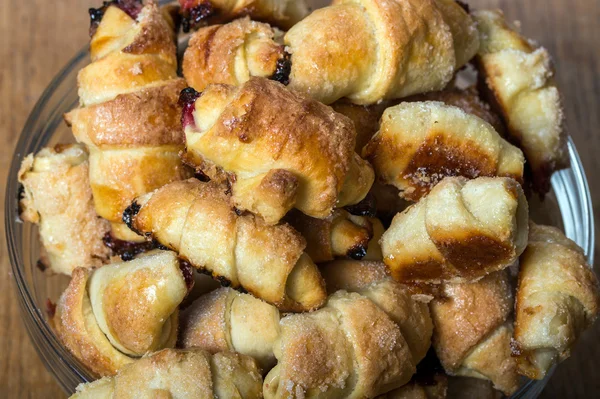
[567,206]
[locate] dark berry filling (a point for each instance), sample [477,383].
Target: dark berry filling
[283,69]
[50,308]
[128,250]
[187,102]
[366,207]
[194,14]
[188,273]
[130,7]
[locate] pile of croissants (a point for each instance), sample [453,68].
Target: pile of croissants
[316,209]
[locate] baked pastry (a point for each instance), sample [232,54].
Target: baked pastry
[518,79]
[198,221]
[433,388]
[128,116]
[365,118]
[557,299]
[348,349]
[462,231]
[282,13]
[339,235]
[57,196]
[189,374]
[110,316]
[277,149]
[420,143]
[228,320]
[473,331]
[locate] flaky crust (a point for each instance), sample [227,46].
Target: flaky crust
[278,150]
[106,318]
[557,299]
[420,143]
[198,220]
[518,78]
[350,349]
[57,196]
[370,50]
[193,374]
[462,231]
[472,335]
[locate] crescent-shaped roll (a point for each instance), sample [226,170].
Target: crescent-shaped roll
[557,299]
[281,13]
[57,196]
[128,115]
[472,331]
[518,79]
[348,349]
[108,317]
[189,374]
[228,320]
[339,235]
[198,221]
[462,231]
[420,143]
[277,149]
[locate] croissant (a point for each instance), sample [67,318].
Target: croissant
[472,332]
[229,320]
[108,317]
[518,79]
[56,195]
[282,13]
[348,349]
[197,220]
[462,231]
[129,118]
[420,143]
[557,299]
[189,374]
[339,235]
[276,148]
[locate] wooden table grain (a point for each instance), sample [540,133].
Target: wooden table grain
[38,37]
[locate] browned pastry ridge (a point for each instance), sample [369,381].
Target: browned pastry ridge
[518,78]
[461,231]
[420,143]
[558,298]
[276,148]
[57,196]
[198,221]
[110,316]
[189,374]
[128,115]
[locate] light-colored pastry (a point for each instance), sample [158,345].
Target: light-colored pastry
[128,115]
[57,196]
[473,331]
[519,79]
[420,143]
[282,13]
[462,231]
[557,299]
[227,320]
[339,235]
[189,374]
[109,317]
[348,349]
[198,221]
[276,148]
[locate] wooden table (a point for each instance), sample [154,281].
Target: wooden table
[38,37]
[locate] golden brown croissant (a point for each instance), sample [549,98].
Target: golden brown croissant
[276,148]
[518,77]
[462,231]
[472,332]
[226,319]
[420,143]
[197,220]
[557,299]
[57,196]
[189,374]
[110,316]
[282,13]
[129,117]
[348,349]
